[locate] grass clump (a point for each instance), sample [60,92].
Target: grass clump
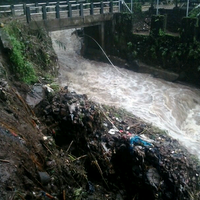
[55,87]
[22,68]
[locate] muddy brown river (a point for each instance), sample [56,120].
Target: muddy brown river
[169,106]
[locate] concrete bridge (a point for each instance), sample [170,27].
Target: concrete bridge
[63,14]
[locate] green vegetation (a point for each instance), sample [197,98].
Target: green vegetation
[179,53]
[31,55]
[21,66]
[136,7]
[167,51]
[195,12]
[55,87]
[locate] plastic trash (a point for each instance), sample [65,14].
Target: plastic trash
[153,177]
[112,131]
[136,140]
[90,188]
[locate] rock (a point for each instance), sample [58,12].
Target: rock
[5,40]
[2,73]
[119,197]
[44,178]
[35,96]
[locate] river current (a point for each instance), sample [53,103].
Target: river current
[169,106]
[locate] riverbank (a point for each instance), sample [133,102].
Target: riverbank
[128,157]
[59,144]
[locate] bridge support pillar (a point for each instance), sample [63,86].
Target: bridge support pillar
[102,35]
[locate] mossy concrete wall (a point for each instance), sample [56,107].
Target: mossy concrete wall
[177,53]
[189,28]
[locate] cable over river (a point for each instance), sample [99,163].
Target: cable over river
[169,106]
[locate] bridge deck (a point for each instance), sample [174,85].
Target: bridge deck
[63,14]
[62,9]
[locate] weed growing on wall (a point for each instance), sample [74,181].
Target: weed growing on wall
[195,12]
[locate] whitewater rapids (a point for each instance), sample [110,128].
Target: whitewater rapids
[169,106]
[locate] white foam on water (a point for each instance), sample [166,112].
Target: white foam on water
[169,106]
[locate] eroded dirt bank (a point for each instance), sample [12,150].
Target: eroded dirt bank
[71,148]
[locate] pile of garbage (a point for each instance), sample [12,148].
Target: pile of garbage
[115,151]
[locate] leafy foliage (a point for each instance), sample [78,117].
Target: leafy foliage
[167,51]
[195,12]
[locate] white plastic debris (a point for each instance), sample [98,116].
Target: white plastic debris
[105,124]
[45,137]
[48,88]
[112,131]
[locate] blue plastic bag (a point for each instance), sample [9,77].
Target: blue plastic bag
[136,140]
